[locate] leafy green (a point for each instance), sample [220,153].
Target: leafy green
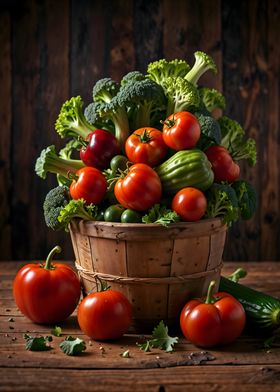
[222,202]
[56,331]
[247,198]
[161,215]
[37,343]
[72,346]
[160,339]
[77,209]
[233,139]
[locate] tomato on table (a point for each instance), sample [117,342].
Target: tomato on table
[220,319]
[89,184]
[181,131]
[47,292]
[140,189]
[105,315]
[146,145]
[224,167]
[190,204]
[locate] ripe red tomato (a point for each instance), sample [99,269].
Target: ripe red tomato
[218,320]
[181,131]
[146,145]
[140,189]
[102,147]
[190,204]
[47,293]
[105,315]
[224,167]
[90,185]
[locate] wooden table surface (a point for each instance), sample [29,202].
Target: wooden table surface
[246,365]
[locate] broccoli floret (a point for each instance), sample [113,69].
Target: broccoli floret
[71,120]
[77,209]
[55,200]
[210,131]
[181,94]
[203,63]
[212,99]
[247,198]
[162,69]
[222,202]
[50,162]
[233,139]
[115,112]
[92,116]
[104,90]
[145,97]
[134,76]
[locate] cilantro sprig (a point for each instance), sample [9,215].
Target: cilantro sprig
[37,343]
[160,339]
[72,346]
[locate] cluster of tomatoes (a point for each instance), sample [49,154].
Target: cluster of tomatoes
[139,187]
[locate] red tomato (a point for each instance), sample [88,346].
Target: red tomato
[47,293]
[140,189]
[90,185]
[218,320]
[224,167]
[190,204]
[181,131]
[146,145]
[102,147]
[105,315]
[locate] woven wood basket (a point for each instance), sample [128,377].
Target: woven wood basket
[157,268]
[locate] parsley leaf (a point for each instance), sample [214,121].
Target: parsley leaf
[37,343]
[160,339]
[161,215]
[72,346]
[56,331]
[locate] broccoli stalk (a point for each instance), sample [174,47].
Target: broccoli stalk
[50,162]
[77,209]
[181,94]
[203,63]
[71,120]
[162,69]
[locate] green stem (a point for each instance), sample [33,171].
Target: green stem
[56,249]
[210,299]
[238,274]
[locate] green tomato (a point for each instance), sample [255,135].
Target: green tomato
[113,213]
[118,162]
[131,216]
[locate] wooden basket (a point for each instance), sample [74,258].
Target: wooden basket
[157,268]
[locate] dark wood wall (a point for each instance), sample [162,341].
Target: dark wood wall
[53,49]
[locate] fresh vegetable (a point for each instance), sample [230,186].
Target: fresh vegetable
[132,77]
[72,346]
[47,292]
[220,319]
[101,147]
[185,168]
[55,200]
[119,163]
[89,184]
[181,131]
[77,209]
[203,63]
[71,120]
[262,310]
[162,69]
[104,90]
[105,315]
[49,161]
[56,331]
[190,204]
[146,145]
[247,198]
[37,343]
[212,99]
[161,215]
[224,167]
[233,139]
[131,216]
[210,131]
[140,189]
[160,339]
[113,213]
[222,202]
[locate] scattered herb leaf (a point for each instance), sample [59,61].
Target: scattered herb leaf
[160,339]
[37,343]
[56,331]
[125,354]
[72,346]
[160,215]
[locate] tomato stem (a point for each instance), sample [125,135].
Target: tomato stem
[210,298]
[103,285]
[72,176]
[48,265]
[237,274]
[145,137]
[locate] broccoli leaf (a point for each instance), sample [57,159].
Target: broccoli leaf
[72,346]
[160,215]
[160,339]
[247,198]
[77,209]
[37,343]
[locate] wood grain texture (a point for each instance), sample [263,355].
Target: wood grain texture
[53,50]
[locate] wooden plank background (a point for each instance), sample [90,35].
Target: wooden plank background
[51,50]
